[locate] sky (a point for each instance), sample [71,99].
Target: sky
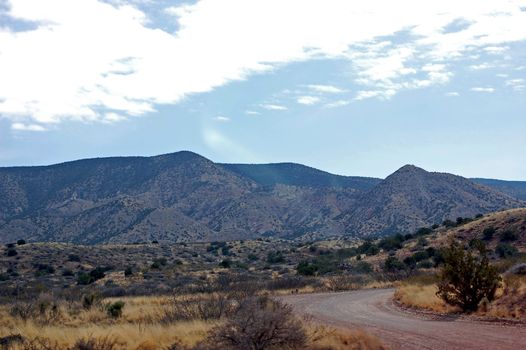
[353,88]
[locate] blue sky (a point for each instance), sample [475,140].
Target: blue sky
[354,89]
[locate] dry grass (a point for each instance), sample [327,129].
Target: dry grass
[421,297]
[325,338]
[141,327]
[510,299]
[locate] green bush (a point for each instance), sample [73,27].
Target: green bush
[128,272]
[508,236]
[392,242]
[467,277]
[393,264]
[225,264]
[506,250]
[21,242]
[114,310]
[362,267]
[275,258]
[307,269]
[11,252]
[488,233]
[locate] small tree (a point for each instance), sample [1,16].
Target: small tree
[467,277]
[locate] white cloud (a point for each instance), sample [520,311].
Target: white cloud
[308,100]
[87,58]
[113,118]
[330,89]
[362,95]
[338,103]
[483,89]
[252,112]
[517,84]
[27,127]
[496,50]
[221,118]
[452,94]
[272,107]
[481,66]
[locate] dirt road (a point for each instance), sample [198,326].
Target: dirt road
[373,311]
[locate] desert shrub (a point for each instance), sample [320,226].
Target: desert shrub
[448,223]
[410,262]
[21,242]
[43,269]
[467,277]
[97,273]
[258,324]
[252,257]
[422,255]
[426,264]
[73,258]
[11,252]
[505,250]
[295,282]
[67,273]
[368,248]
[84,278]
[422,231]
[345,253]
[508,236]
[89,300]
[393,264]
[128,271]
[226,264]
[392,242]
[275,257]
[422,242]
[488,233]
[211,307]
[114,309]
[104,343]
[362,267]
[306,268]
[44,309]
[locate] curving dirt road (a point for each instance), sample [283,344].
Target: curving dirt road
[373,311]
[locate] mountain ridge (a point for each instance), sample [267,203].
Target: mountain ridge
[183,196]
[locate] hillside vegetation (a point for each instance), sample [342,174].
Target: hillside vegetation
[183,197]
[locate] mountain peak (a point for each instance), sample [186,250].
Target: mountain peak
[408,170]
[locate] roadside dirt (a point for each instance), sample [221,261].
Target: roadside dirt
[374,311]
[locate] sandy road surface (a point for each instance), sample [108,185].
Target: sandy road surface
[373,311]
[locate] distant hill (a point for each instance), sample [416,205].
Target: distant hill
[412,197]
[185,197]
[299,175]
[515,189]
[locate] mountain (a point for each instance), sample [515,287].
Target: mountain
[185,197]
[412,197]
[515,189]
[299,175]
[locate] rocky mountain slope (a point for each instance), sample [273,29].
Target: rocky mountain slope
[185,197]
[412,197]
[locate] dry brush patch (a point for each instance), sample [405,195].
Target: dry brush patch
[144,325]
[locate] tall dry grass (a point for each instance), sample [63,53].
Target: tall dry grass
[143,326]
[510,298]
